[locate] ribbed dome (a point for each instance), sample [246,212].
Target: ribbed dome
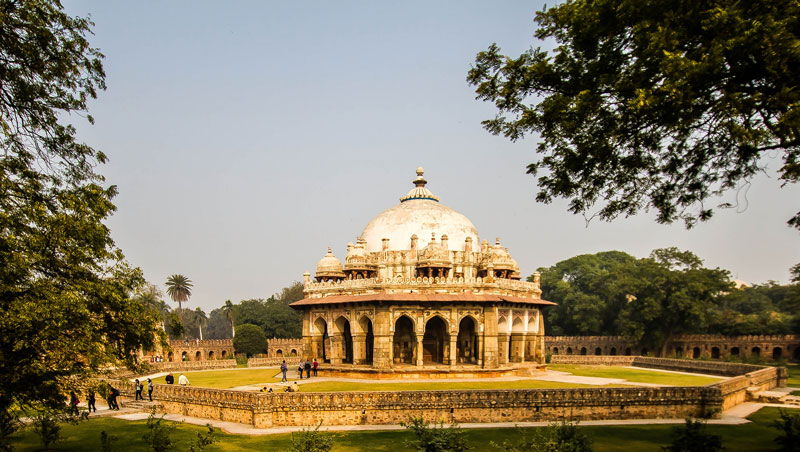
[423,216]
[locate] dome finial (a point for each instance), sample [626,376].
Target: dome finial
[419,191]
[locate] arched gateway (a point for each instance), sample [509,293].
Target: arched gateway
[419,289]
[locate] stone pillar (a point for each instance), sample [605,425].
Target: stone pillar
[479,351]
[453,350]
[359,348]
[383,335]
[502,345]
[517,348]
[419,349]
[490,353]
[335,349]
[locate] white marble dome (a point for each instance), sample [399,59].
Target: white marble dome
[419,213]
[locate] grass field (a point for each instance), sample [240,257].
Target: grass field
[225,379]
[636,375]
[755,436]
[336,386]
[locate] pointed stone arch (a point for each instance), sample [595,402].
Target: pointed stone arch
[467,341]
[344,340]
[365,325]
[436,340]
[404,342]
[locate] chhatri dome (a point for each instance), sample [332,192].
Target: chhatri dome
[419,292]
[420,213]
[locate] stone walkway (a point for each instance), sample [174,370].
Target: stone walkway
[734,416]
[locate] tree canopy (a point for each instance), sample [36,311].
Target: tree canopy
[179,288]
[652,299]
[66,293]
[652,104]
[249,340]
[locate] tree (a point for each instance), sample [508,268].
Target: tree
[219,327]
[557,437]
[648,300]
[199,319]
[789,426]
[652,104]
[437,438]
[311,440]
[179,288]
[693,437]
[66,307]
[249,340]
[228,309]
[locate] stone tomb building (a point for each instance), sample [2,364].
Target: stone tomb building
[419,291]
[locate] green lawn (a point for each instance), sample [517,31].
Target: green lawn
[794,375]
[224,379]
[636,375]
[755,436]
[337,386]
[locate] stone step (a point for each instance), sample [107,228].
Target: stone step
[791,400]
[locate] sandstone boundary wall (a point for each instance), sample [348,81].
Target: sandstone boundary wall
[264,410]
[272,362]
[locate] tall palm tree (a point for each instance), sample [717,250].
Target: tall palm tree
[227,308]
[179,288]
[200,318]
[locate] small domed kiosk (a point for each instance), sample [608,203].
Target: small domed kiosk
[419,292]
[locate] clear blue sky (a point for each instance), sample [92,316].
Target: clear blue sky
[247,137]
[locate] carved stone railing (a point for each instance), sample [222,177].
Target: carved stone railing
[435,284]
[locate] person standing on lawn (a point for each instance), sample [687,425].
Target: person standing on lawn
[170,379]
[308,368]
[315,365]
[284,369]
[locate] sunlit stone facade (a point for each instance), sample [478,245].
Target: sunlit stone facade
[417,290]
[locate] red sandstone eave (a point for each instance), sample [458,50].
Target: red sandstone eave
[419,297]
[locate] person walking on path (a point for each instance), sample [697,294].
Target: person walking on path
[73,403]
[112,398]
[315,365]
[139,389]
[300,370]
[90,400]
[170,379]
[182,380]
[150,389]
[284,369]
[308,369]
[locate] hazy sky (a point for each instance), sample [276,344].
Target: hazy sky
[247,137]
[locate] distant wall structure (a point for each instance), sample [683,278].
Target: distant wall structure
[767,347]
[284,348]
[196,350]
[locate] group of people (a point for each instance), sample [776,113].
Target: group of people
[140,388]
[308,367]
[170,379]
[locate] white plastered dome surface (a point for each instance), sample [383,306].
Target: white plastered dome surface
[422,217]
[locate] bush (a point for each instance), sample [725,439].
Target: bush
[693,437]
[107,442]
[249,340]
[308,440]
[202,440]
[158,433]
[789,439]
[557,437]
[435,439]
[48,428]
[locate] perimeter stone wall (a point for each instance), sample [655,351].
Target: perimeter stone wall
[284,348]
[264,410]
[767,347]
[271,362]
[192,365]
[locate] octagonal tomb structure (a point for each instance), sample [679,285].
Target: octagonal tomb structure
[419,291]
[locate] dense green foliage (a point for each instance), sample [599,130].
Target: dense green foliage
[273,315]
[435,438]
[66,306]
[652,104]
[789,427]
[650,300]
[249,340]
[694,437]
[647,300]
